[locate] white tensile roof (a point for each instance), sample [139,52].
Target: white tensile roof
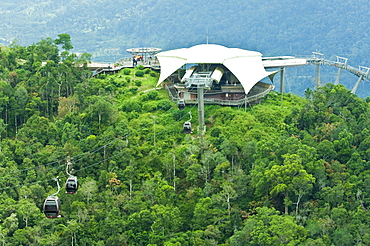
[246,65]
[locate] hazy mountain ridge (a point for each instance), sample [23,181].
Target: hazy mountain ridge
[107,28]
[287,27]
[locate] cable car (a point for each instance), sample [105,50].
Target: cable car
[187,127]
[181,104]
[71,185]
[52,207]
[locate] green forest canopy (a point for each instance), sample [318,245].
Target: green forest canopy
[271,174]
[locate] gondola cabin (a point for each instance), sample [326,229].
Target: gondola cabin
[181,104]
[52,207]
[187,127]
[71,185]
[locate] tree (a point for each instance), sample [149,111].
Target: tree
[89,189]
[129,175]
[11,223]
[326,150]
[28,213]
[44,50]
[139,73]
[290,178]
[2,130]
[166,222]
[21,96]
[227,194]
[230,150]
[267,227]
[203,214]
[139,226]
[100,108]
[38,128]
[64,40]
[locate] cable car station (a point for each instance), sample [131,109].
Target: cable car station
[214,74]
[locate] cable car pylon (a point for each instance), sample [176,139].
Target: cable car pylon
[200,94]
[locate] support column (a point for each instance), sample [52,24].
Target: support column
[338,76]
[357,84]
[200,92]
[319,59]
[318,81]
[282,71]
[342,61]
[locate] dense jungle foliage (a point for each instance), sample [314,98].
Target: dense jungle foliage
[290,172]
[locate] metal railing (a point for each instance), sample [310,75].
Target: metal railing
[232,102]
[356,71]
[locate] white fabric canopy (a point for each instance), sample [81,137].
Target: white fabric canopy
[246,65]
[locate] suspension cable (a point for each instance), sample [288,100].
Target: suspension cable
[56,179]
[83,155]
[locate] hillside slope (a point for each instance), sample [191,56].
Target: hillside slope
[291,172]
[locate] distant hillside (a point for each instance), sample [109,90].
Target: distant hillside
[332,27]
[107,28]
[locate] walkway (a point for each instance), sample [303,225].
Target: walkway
[125,63]
[281,62]
[341,63]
